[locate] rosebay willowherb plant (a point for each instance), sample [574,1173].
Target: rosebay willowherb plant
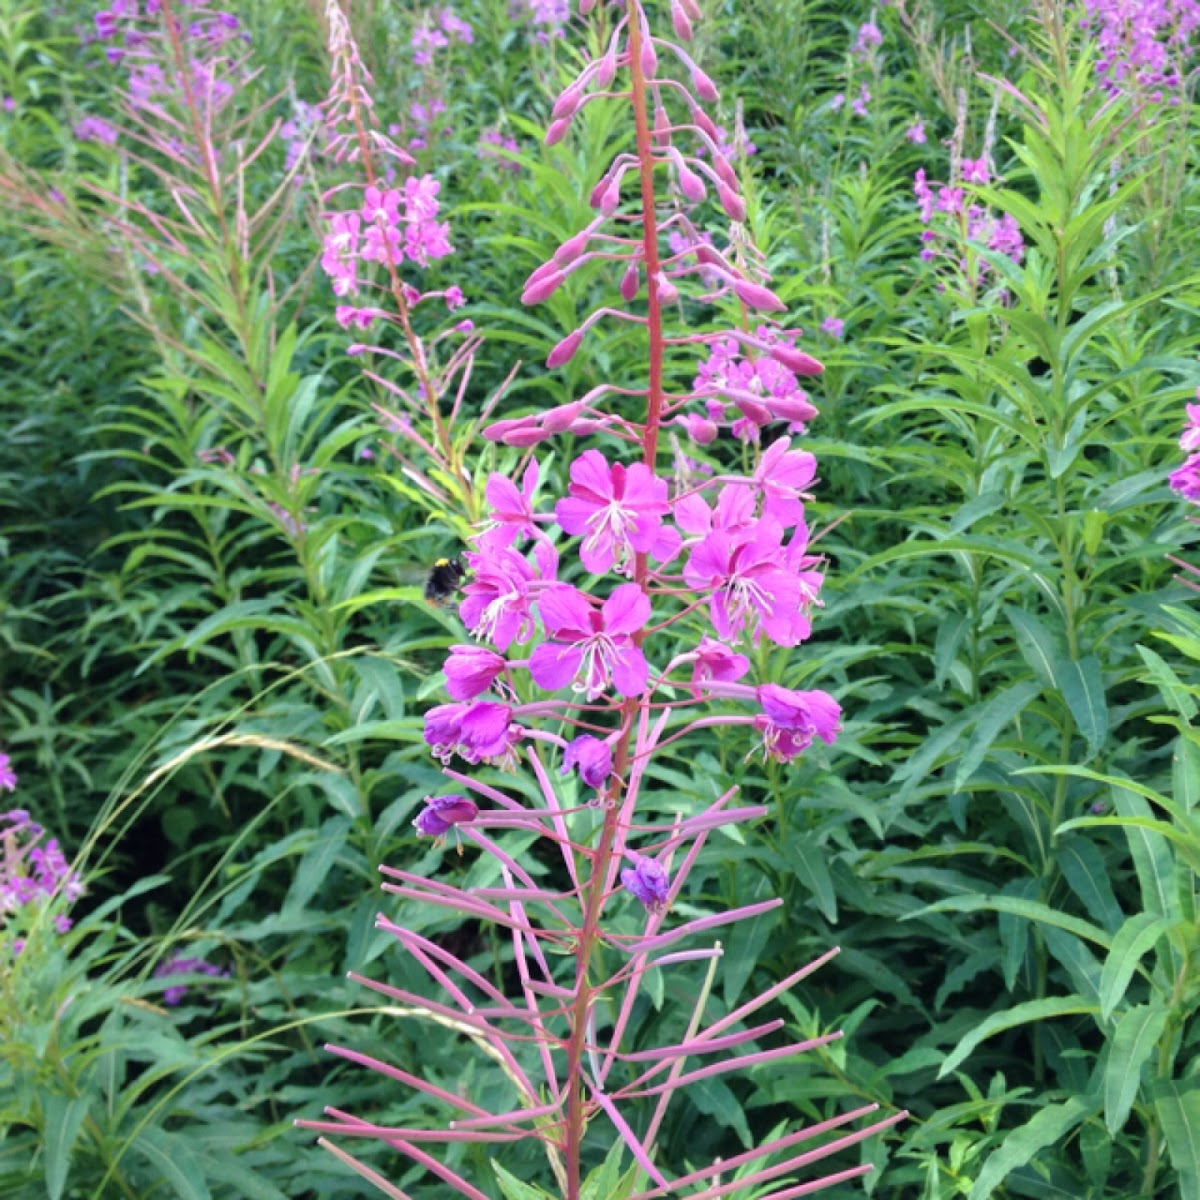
[599,668]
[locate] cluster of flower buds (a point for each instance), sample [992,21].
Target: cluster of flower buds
[606,623]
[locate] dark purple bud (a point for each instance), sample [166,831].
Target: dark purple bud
[631,281]
[442,813]
[565,350]
[647,880]
[591,757]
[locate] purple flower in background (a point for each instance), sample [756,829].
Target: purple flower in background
[974,170]
[8,777]
[96,129]
[916,132]
[869,37]
[790,720]
[858,105]
[492,140]
[1189,440]
[648,881]
[442,813]
[591,757]
[834,326]
[185,966]
[1186,479]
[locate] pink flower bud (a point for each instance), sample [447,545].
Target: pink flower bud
[668,293]
[701,430]
[586,6]
[598,191]
[691,185]
[706,123]
[750,407]
[572,248]
[662,127]
[756,296]
[564,416]
[707,255]
[606,72]
[793,408]
[565,350]
[725,171]
[796,360]
[542,289]
[557,131]
[705,88]
[567,102]
[522,438]
[691,8]
[679,19]
[649,59]
[610,201]
[499,430]
[732,203]
[631,281]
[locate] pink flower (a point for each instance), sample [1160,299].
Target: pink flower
[618,512]
[834,326]
[589,646]
[974,170]
[1190,439]
[496,605]
[790,720]
[512,509]
[747,574]
[8,777]
[648,880]
[476,732]
[1186,479]
[715,661]
[916,132]
[781,476]
[471,670]
[734,510]
[339,259]
[381,207]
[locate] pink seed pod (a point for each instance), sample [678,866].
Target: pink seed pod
[705,88]
[756,296]
[567,102]
[631,281]
[564,416]
[544,288]
[572,248]
[679,19]
[690,184]
[668,293]
[732,203]
[796,360]
[557,131]
[565,350]
[606,72]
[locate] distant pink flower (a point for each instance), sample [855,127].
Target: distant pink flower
[96,129]
[790,720]
[974,170]
[868,38]
[834,326]
[916,132]
[617,510]
[590,646]
[8,777]
[1189,441]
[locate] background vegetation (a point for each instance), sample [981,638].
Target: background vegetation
[215,652]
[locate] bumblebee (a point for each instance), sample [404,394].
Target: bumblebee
[444,579]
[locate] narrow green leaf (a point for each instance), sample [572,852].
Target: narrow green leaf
[1133,939]
[1083,689]
[1031,909]
[1185,773]
[1178,1110]
[1168,683]
[517,1189]
[807,860]
[176,1165]
[64,1117]
[1010,1018]
[995,715]
[1086,873]
[1048,1126]
[328,843]
[1130,1046]
[1036,643]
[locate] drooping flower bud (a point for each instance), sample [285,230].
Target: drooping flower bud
[631,281]
[606,72]
[796,361]
[572,248]
[565,350]
[690,184]
[567,102]
[537,290]
[610,200]
[557,131]
[562,417]
[680,21]
[705,88]
[732,203]
[442,813]
[757,296]
[648,881]
[668,293]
